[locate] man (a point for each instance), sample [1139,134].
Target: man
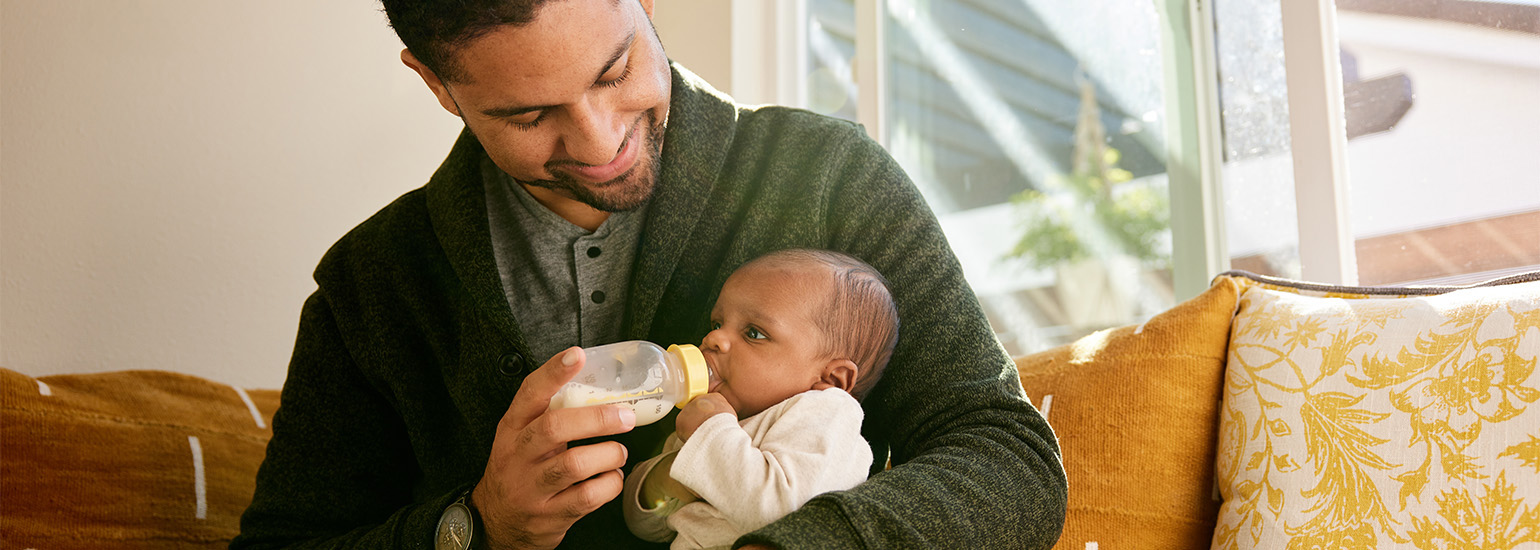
[601,194]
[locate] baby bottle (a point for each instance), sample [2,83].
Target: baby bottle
[637,374]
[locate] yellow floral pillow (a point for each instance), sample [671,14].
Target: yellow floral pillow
[1354,419]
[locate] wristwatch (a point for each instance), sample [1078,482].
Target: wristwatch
[459,528]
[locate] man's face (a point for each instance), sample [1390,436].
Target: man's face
[573,102]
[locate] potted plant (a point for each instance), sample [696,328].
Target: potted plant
[1093,226]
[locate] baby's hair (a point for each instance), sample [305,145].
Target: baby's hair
[859,320]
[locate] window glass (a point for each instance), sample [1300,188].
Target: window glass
[1442,126]
[831,47]
[1443,123]
[1258,173]
[1034,128]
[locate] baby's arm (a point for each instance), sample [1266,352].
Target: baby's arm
[651,495]
[806,446]
[656,486]
[698,410]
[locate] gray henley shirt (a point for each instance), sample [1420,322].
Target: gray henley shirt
[566,286]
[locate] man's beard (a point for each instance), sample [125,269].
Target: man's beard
[626,192]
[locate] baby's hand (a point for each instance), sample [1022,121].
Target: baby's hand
[697,411]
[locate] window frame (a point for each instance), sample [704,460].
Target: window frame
[1318,136]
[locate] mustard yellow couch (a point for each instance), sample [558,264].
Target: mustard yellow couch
[1267,413]
[1184,431]
[127,459]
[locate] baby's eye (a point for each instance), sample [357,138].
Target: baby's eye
[715,325]
[754,334]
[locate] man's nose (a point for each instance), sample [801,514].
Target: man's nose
[596,133]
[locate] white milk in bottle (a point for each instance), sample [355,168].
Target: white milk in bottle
[638,374]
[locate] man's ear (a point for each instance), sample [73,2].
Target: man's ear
[432,80]
[647,7]
[838,373]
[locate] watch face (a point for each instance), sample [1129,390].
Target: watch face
[454,528]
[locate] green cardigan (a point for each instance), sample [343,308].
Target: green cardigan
[408,353]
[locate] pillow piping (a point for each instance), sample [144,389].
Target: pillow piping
[1377,290]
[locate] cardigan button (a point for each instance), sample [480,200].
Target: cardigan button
[511,364]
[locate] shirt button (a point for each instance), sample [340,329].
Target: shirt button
[593,252]
[597,296]
[511,364]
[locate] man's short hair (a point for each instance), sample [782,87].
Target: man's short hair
[434,30]
[859,320]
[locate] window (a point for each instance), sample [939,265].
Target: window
[1443,124]
[1048,125]
[1034,129]
[1441,120]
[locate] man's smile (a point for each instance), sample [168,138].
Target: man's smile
[624,159]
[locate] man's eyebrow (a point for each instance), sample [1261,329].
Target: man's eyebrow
[620,51]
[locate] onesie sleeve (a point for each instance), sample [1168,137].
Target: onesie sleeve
[647,521]
[808,445]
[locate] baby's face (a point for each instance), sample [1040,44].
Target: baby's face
[763,346]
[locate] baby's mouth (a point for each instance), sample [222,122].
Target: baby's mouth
[712,380]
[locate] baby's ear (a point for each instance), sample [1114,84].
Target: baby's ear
[838,373]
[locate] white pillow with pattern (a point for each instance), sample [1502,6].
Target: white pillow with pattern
[1352,419]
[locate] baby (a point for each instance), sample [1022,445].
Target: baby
[798,338]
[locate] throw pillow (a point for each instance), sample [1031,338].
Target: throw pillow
[129,459]
[1378,418]
[1135,412]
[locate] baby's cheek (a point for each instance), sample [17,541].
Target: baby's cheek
[727,394]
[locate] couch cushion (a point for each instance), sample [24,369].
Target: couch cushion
[1135,411]
[129,459]
[1375,418]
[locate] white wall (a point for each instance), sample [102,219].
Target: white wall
[171,170]
[697,34]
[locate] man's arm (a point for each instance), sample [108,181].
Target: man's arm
[975,465]
[341,471]
[338,467]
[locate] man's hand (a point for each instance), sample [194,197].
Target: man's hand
[535,486]
[698,410]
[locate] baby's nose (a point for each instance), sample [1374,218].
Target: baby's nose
[715,340]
